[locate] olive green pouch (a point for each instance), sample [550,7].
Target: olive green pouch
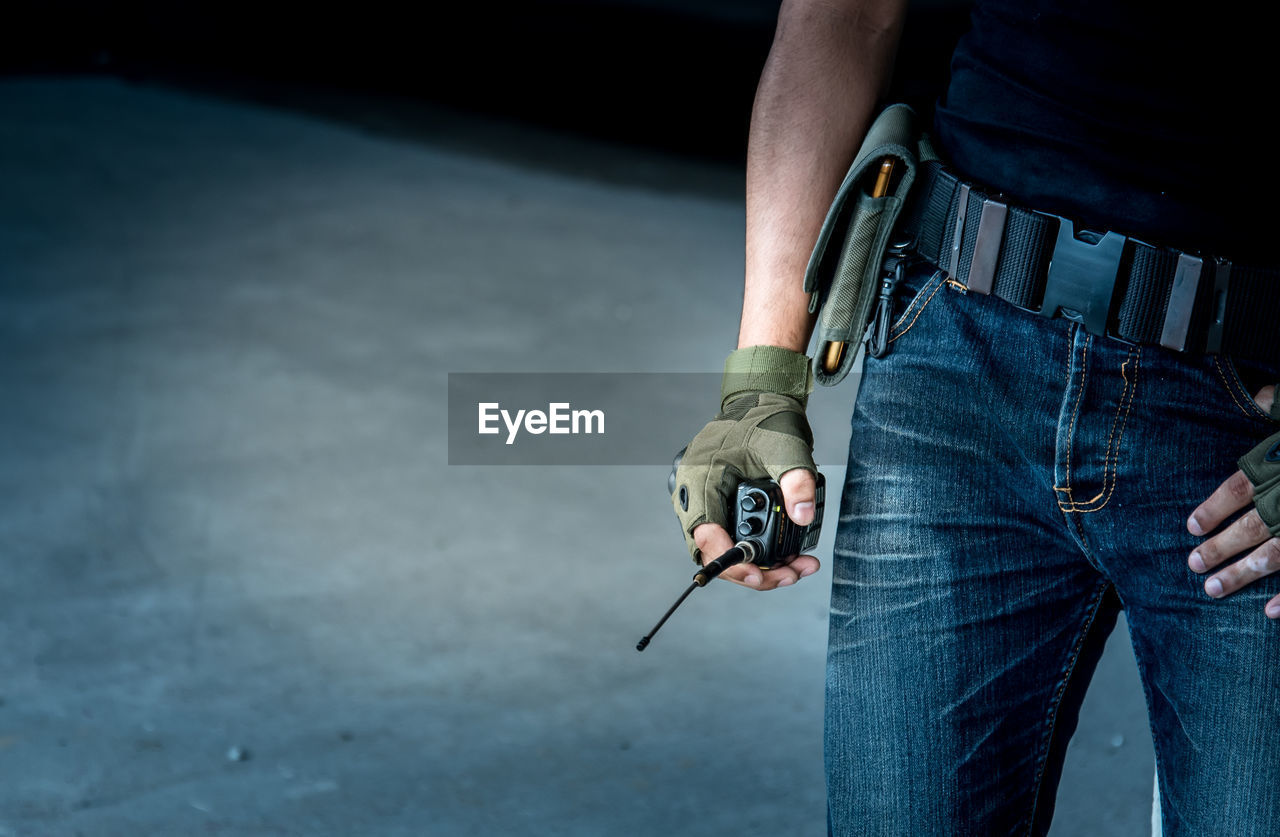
[842,277]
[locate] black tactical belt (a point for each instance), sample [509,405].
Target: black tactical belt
[1110,283]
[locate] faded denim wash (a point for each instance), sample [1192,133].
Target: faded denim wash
[1014,482]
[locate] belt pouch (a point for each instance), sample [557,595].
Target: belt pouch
[842,276]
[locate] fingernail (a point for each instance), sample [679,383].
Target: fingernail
[1196,562]
[804,510]
[1213,587]
[784,582]
[1194,526]
[808,572]
[751,579]
[1273,610]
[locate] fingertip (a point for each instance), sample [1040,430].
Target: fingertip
[1194,527]
[1197,562]
[806,565]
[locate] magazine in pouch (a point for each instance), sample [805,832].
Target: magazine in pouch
[842,277]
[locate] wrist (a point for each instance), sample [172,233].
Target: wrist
[766,369]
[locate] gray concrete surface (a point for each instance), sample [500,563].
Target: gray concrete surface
[228,521]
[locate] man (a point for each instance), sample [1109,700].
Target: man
[1014,479]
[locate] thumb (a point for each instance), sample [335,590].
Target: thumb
[798,491]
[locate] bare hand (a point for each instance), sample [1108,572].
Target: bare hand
[1248,532]
[798,490]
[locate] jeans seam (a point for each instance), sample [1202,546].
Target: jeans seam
[1111,460]
[1256,414]
[1066,387]
[1151,721]
[1056,703]
[1084,377]
[1078,523]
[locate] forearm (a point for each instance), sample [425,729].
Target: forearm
[828,66]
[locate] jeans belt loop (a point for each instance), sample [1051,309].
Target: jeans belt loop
[986,249]
[1182,301]
[1221,286]
[957,234]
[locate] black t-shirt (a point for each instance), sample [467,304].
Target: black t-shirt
[1152,119]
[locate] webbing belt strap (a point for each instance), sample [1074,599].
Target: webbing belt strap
[1110,283]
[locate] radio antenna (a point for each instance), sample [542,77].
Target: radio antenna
[742,551]
[644,641]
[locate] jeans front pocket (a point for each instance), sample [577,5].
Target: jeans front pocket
[919,295]
[1242,380]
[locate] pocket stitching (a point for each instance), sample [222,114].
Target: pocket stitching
[918,305]
[1238,391]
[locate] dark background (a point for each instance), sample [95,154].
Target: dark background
[677,76]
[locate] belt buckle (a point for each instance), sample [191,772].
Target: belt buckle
[1082,277]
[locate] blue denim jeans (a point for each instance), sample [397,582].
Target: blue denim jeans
[1013,482]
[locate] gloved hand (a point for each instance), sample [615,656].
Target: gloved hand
[1262,466]
[761,431]
[1258,529]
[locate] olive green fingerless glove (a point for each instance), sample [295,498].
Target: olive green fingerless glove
[761,431]
[1262,466]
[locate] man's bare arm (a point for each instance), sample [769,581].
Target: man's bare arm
[829,65]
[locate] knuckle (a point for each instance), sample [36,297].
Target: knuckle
[1209,552]
[1254,527]
[1239,487]
[1269,557]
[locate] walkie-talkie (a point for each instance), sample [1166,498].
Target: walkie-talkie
[767,537]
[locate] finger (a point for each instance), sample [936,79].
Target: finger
[806,565]
[747,575]
[1261,562]
[778,577]
[1273,608]
[1245,533]
[798,491]
[796,569]
[714,541]
[1226,500]
[1266,397]
[803,565]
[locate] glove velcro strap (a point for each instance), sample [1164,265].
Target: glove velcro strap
[766,369]
[1262,466]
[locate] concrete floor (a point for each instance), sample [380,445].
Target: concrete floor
[243,593]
